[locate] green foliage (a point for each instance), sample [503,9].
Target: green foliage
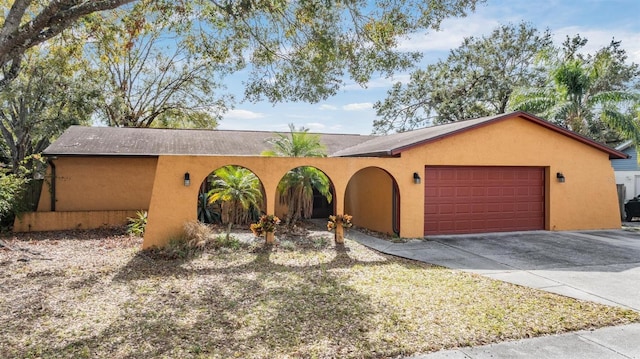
[239,188]
[291,51]
[266,223]
[205,213]
[11,190]
[152,75]
[138,224]
[475,80]
[296,187]
[299,143]
[231,242]
[50,94]
[27,23]
[296,190]
[595,95]
[15,189]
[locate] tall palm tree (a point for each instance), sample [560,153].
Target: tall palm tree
[296,187]
[301,143]
[239,188]
[581,97]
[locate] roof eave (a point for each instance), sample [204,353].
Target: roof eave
[613,154]
[53,154]
[370,154]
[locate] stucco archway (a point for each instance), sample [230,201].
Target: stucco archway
[215,212]
[313,179]
[372,197]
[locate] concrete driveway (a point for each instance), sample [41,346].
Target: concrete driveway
[600,266]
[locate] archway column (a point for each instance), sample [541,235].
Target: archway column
[172,203]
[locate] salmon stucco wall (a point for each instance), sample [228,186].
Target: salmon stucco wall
[587,200]
[56,221]
[100,184]
[369,199]
[173,204]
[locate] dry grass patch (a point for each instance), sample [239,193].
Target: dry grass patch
[83,295]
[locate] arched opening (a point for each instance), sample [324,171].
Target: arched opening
[304,192]
[373,199]
[231,194]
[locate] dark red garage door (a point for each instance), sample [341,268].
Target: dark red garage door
[483,199]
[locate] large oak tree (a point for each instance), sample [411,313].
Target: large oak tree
[476,79]
[298,50]
[29,23]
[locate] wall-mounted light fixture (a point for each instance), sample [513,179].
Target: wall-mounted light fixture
[187,179]
[416,178]
[560,177]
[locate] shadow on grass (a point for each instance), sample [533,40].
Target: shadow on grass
[145,265]
[257,309]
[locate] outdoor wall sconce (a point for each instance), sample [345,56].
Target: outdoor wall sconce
[416,178]
[187,179]
[560,177]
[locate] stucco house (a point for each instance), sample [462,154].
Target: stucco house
[627,170]
[510,172]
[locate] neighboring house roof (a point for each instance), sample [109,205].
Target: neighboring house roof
[624,145]
[395,144]
[114,141]
[631,163]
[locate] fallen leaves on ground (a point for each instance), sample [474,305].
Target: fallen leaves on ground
[97,295]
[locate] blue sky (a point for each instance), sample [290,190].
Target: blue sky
[350,111]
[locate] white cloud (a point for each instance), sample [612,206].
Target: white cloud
[451,34]
[326,107]
[358,106]
[379,83]
[243,115]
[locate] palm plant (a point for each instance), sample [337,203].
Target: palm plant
[296,190]
[581,96]
[239,188]
[300,144]
[296,187]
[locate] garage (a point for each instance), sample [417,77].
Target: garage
[481,199]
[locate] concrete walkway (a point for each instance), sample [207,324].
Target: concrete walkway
[599,266]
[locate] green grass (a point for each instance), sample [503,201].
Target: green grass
[104,298]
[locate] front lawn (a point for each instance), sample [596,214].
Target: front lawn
[95,294]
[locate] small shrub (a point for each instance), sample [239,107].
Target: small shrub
[138,224]
[12,188]
[267,223]
[344,219]
[221,241]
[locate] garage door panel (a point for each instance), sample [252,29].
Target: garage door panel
[483,199]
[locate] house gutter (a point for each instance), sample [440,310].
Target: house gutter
[52,187]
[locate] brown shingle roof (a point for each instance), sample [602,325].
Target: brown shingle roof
[395,144]
[111,141]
